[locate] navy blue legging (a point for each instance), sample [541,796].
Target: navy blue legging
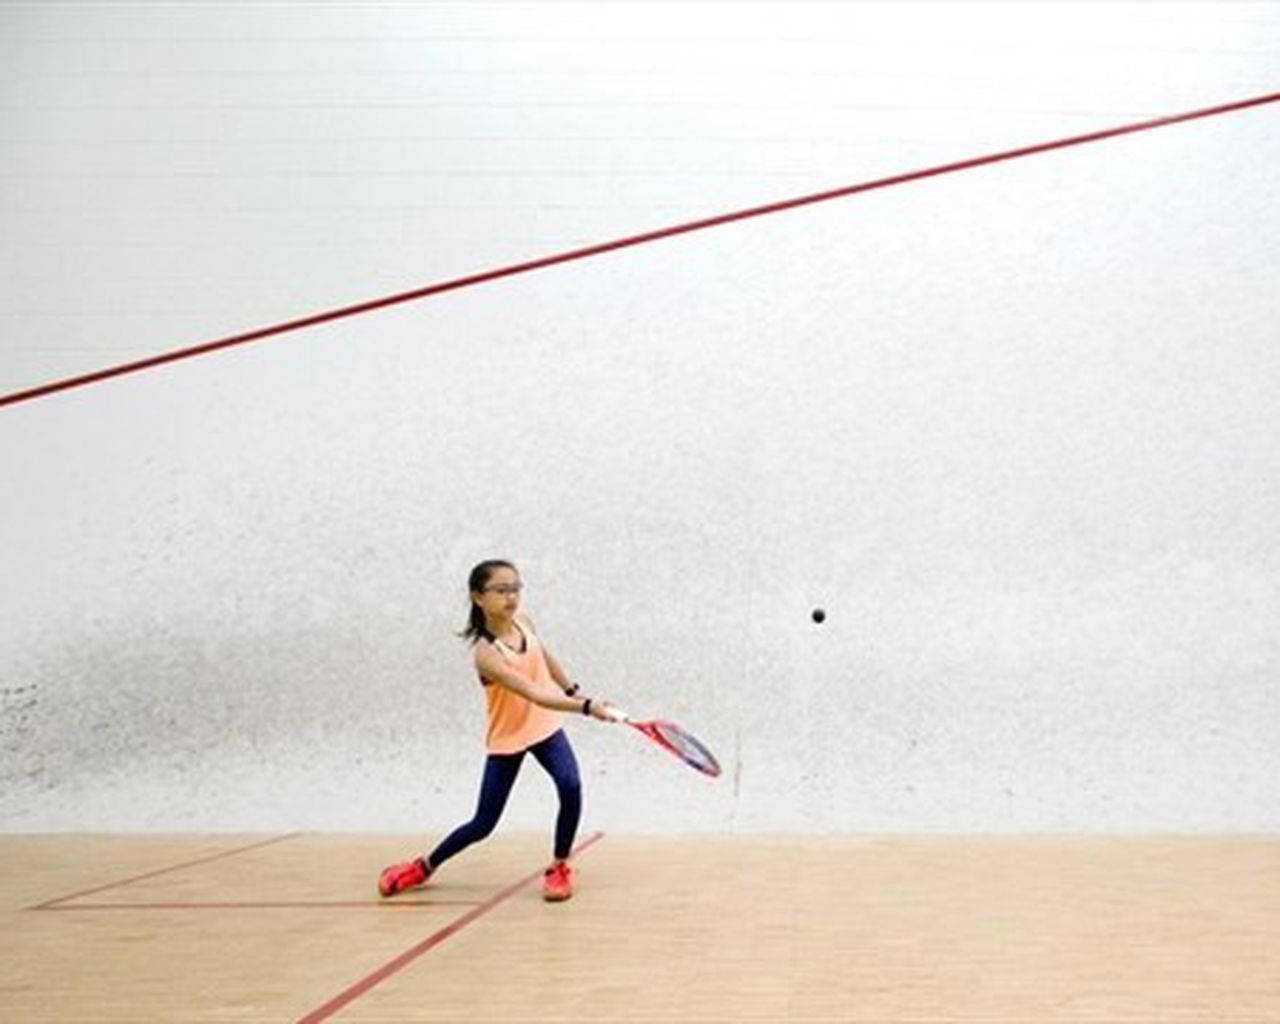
[500,771]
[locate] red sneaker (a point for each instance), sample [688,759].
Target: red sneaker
[557,882]
[400,877]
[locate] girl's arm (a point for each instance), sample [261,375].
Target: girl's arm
[559,674]
[492,667]
[557,670]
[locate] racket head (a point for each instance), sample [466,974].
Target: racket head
[684,745]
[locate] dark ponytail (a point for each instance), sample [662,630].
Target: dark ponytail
[476,625]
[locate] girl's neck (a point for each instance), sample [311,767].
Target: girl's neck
[499,627]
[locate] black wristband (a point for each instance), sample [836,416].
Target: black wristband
[573,689]
[586,706]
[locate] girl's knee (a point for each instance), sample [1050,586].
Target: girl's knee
[482,828]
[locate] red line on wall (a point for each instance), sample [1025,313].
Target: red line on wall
[391,967]
[622,243]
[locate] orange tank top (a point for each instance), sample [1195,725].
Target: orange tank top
[515,722]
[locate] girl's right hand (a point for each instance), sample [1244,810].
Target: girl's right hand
[600,710]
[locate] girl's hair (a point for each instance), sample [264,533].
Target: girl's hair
[476,627]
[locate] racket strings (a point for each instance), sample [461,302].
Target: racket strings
[688,748]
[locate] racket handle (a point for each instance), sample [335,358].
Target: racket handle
[617,714]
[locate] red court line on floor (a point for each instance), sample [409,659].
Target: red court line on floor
[622,243]
[264,905]
[391,967]
[53,904]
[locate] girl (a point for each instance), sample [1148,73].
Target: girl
[520,679]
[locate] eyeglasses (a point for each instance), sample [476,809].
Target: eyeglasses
[505,589]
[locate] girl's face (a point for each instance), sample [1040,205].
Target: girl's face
[501,595]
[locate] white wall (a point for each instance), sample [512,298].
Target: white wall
[1014,428]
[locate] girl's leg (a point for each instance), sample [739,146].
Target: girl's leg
[556,756]
[500,772]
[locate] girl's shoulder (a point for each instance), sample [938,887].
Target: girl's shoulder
[484,658]
[485,646]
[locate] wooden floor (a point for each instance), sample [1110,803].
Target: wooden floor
[288,928]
